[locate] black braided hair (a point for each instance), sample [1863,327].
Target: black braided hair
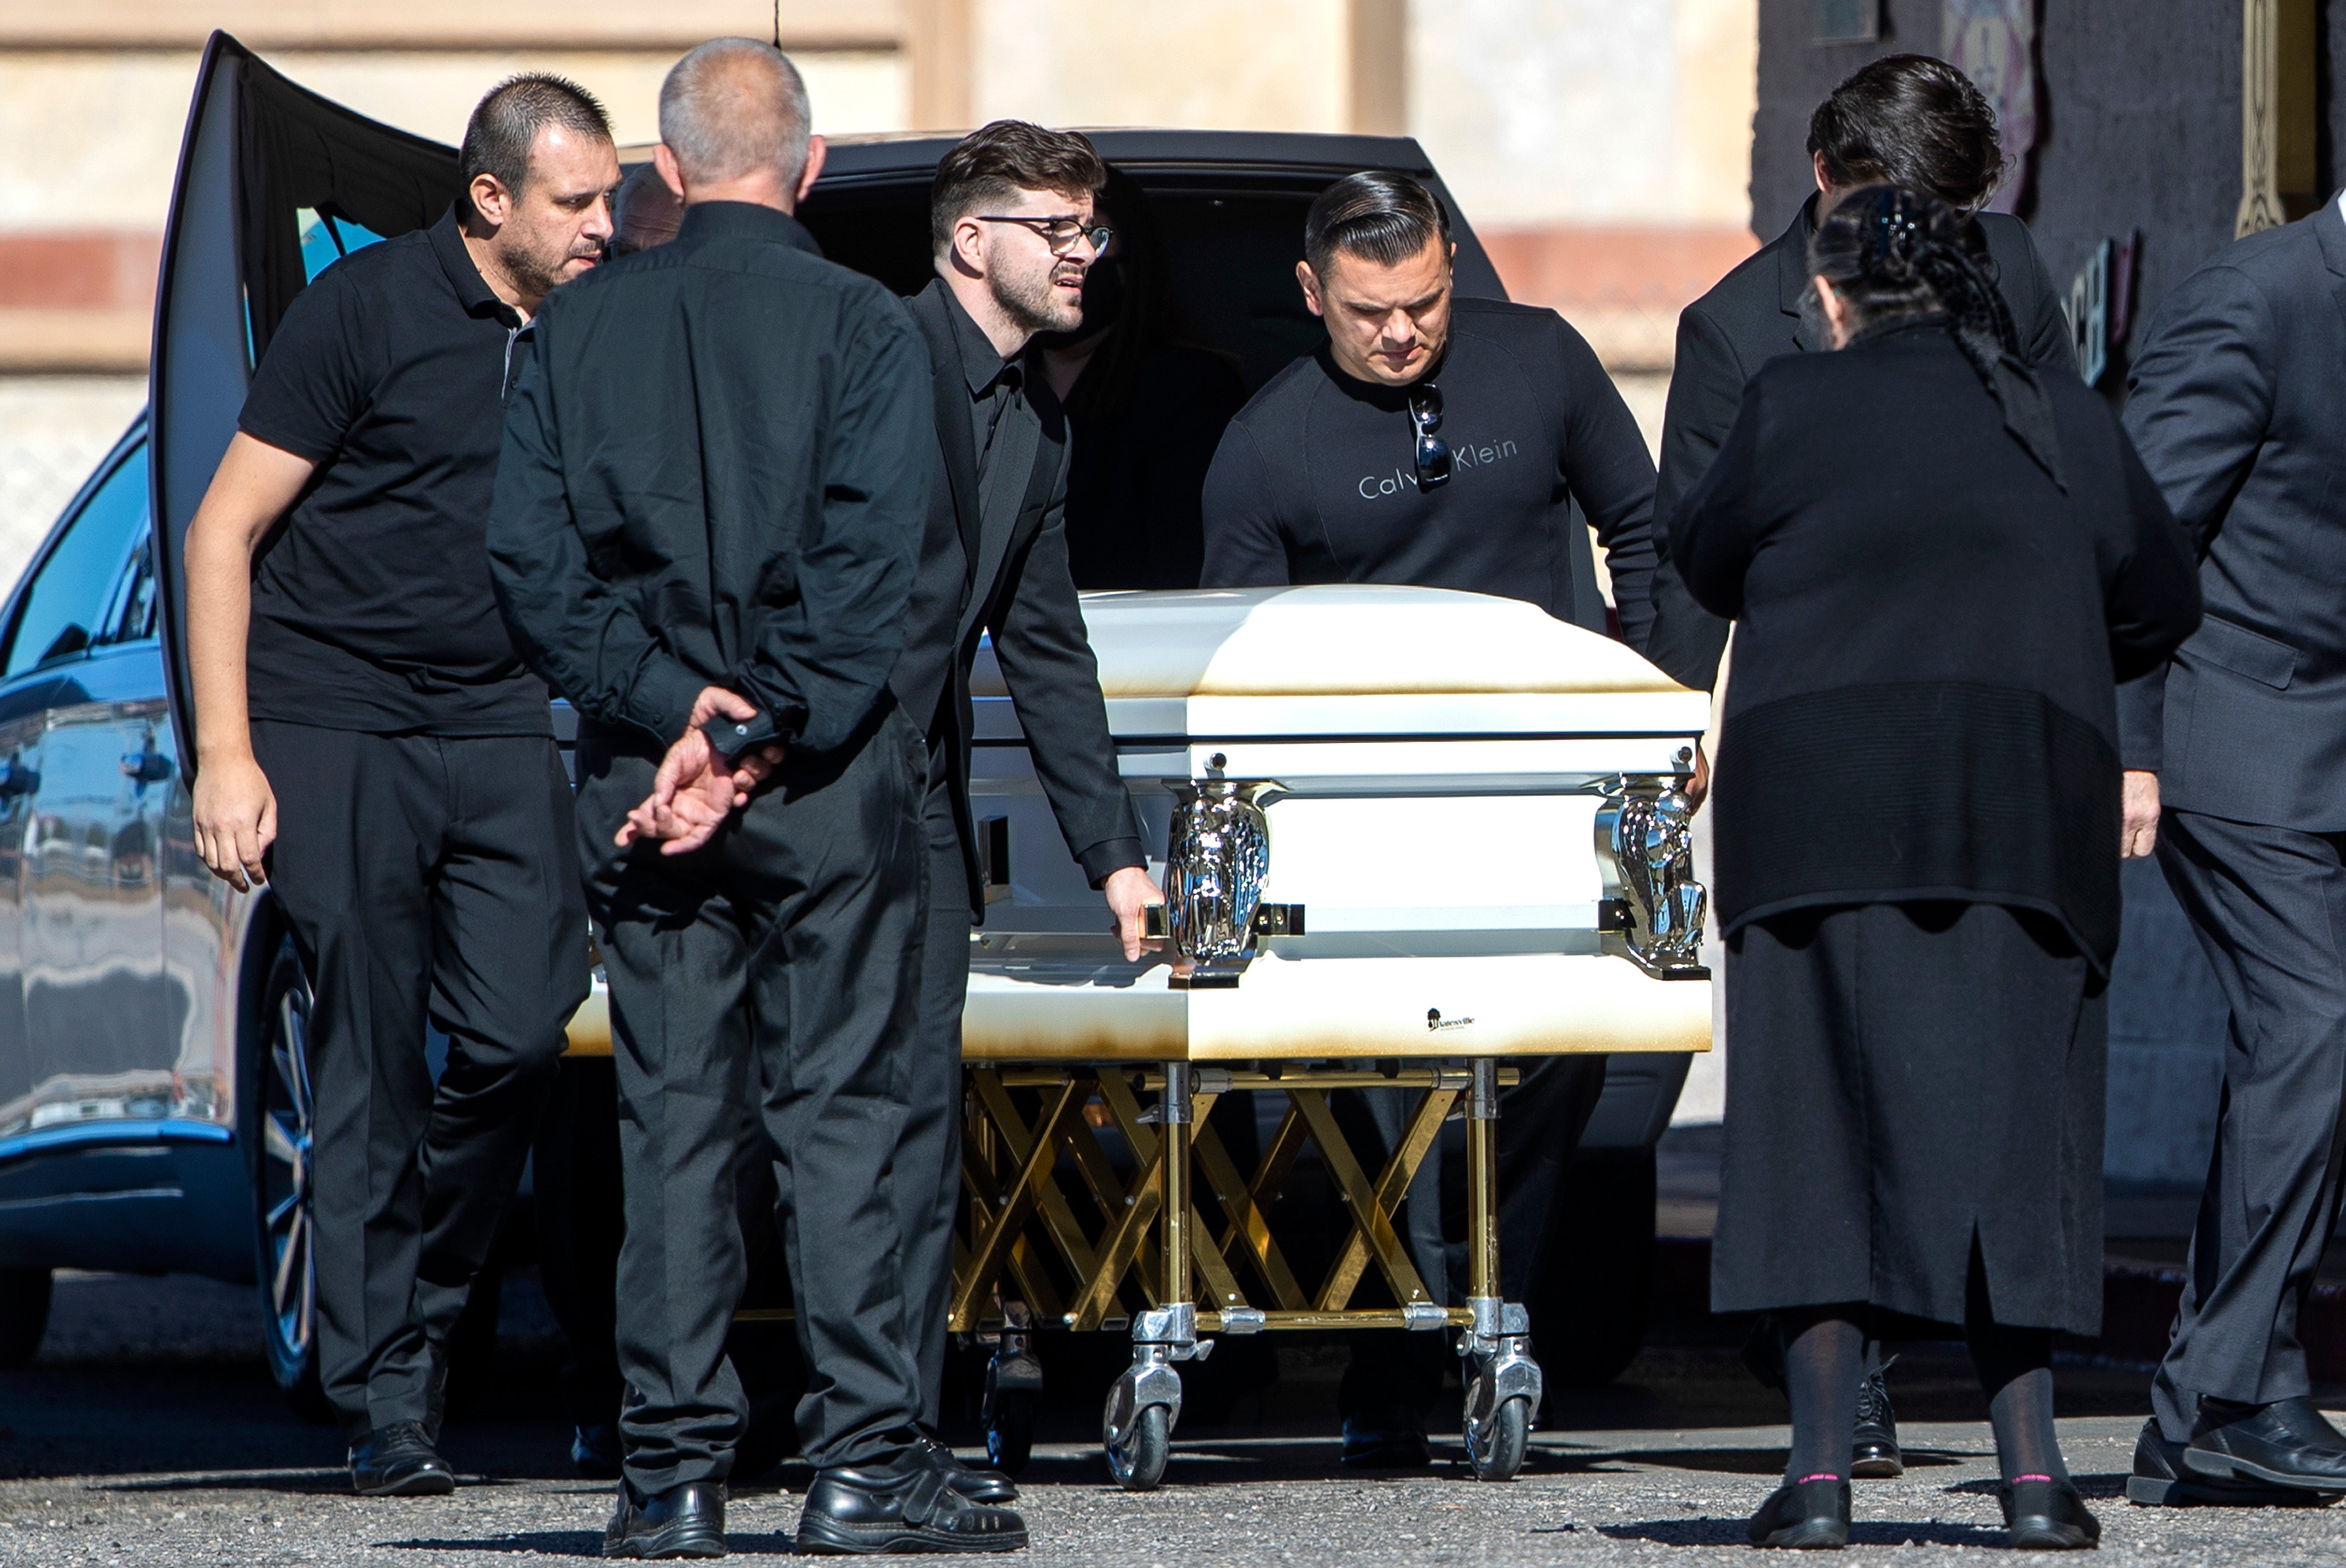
[1890,252]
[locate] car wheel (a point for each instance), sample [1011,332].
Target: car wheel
[23,1315]
[1588,1318]
[278,1130]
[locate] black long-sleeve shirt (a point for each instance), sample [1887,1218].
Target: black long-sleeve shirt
[1924,704]
[704,482]
[1313,481]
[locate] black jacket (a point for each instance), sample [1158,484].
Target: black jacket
[703,483]
[978,579]
[1924,704]
[1748,318]
[2238,408]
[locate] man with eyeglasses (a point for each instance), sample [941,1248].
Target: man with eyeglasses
[1013,232]
[1443,443]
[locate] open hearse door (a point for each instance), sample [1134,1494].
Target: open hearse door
[274,183]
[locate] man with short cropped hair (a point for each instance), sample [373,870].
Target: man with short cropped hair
[706,525]
[1439,442]
[370,744]
[1012,230]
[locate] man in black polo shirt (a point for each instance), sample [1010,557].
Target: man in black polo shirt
[369,745]
[1437,441]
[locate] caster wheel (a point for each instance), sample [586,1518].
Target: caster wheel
[1494,1449]
[1139,1461]
[1010,1435]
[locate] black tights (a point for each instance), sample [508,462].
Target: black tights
[1824,1349]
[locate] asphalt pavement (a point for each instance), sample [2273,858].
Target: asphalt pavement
[147,1433]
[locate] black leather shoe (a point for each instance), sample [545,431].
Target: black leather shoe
[973,1482]
[594,1450]
[2286,1443]
[904,1505]
[1390,1439]
[2042,1514]
[398,1460]
[2160,1480]
[1806,1515]
[686,1520]
[1875,1455]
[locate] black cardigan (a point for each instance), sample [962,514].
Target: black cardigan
[1924,702]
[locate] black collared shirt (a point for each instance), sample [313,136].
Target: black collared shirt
[713,476]
[372,604]
[1003,427]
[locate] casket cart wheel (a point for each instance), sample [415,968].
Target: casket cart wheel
[1010,1432]
[1138,1458]
[1494,1447]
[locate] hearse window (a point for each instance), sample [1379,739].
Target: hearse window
[1233,244]
[63,609]
[327,239]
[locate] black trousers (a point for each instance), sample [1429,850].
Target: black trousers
[769,973]
[929,1168]
[1540,1123]
[424,881]
[2269,905]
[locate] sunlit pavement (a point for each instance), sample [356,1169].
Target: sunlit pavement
[147,1434]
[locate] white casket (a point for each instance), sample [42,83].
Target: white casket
[1470,838]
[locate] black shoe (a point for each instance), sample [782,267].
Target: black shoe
[1389,1438]
[1875,1455]
[594,1450]
[1807,1515]
[686,1520]
[2285,1443]
[973,1482]
[398,1460]
[2160,1480]
[904,1505]
[2042,1514]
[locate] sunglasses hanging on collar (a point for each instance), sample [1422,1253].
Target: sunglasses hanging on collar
[1432,454]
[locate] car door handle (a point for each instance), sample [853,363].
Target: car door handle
[15,779]
[147,767]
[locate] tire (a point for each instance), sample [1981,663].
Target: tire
[277,1126]
[1139,1462]
[23,1315]
[1588,1315]
[1496,1454]
[1010,1436]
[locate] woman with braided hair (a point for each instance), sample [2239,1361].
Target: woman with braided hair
[1941,561]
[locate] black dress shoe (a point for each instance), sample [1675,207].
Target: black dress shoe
[686,1520]
[398,1460]
[1875,1455]
[2042,1514]
[594,1450]
[904,1505]
[2160,1480]
[1389,1438]
[1806,1515]
[973,1482]
[2285,1443]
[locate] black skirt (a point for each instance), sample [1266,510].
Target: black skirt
[1901,1080]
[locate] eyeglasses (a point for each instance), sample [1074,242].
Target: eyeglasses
[1061,234]
[1433,455]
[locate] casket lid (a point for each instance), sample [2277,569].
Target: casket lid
[1342,640]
